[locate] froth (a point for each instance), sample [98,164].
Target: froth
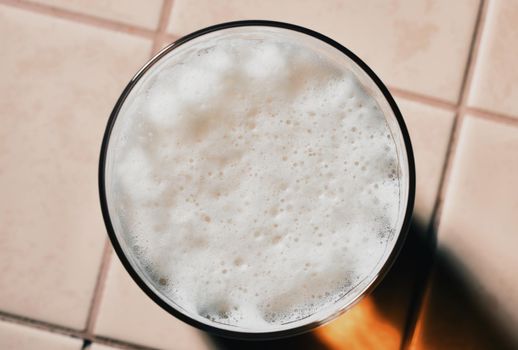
[256,182]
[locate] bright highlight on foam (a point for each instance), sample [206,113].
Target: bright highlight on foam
[255,181]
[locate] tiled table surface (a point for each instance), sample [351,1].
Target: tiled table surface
[452,68]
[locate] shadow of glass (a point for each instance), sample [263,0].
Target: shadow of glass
[394,296]
[377,322]
[456,315]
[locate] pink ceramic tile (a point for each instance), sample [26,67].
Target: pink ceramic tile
[140,13]
[496,73]
[17,337]
[59,83]
[430,130]
[420,45]
[128,314]
[473,299]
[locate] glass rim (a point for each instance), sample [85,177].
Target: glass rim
[380,274]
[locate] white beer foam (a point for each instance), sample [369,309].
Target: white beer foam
[257,182]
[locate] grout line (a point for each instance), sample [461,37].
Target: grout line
[105,263]
[69,332]
[119,344]
[461,109]
[493,116]
[472,62]
[160,33]
[40,325]
[61,13]
[464,109]
[99,289]
[424,99]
